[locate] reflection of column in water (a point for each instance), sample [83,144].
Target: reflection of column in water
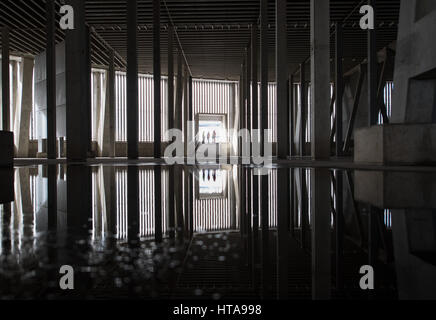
[283,209]
[321,233]
[158,203]
[133,203]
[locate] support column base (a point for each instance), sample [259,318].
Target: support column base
[7,147]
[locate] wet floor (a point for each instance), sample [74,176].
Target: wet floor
[216,232]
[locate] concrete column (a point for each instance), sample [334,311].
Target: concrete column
[77,85]
[23,123]
[255,124]
[191,137]
[248,94]
[179,92]
[170,77]
[320,77]
[132,80]
[185,108]
[372,72]
[282,80]
[266,276]
[263,69]
[291,116]
[171,207]
[283,150]
[321,234]
[339,87]
[51,79]
[157,78]
[6,111]
[303,109]
[110,114]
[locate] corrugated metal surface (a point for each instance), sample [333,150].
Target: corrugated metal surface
[146,107]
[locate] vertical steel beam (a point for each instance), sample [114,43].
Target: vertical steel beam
[339,87]
[157,78]
[112,103]
[51,79]
[372,71]
[320,78]
[78,93]
[132,80]
[6,102]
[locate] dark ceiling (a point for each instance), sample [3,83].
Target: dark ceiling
[213,34]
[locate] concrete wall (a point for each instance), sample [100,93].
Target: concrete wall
[41,93]
[414,97]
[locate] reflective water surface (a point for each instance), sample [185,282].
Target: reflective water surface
[216,232]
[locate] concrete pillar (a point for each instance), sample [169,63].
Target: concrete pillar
[248,94]
[372,71]
[98,121]
[51,79]
[321,234]
[6,112]
[266,276]
[157,79]
[414,96]
[77,85]
[23,124]
[282,80]
[185,108]
[171,207]
[339,87]
[110,110]
[283,204]
[132,80]
[255,124]
[320,78]
[303,109]
[179,92]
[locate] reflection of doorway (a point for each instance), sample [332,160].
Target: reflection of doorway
[211,128]
[212,184]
